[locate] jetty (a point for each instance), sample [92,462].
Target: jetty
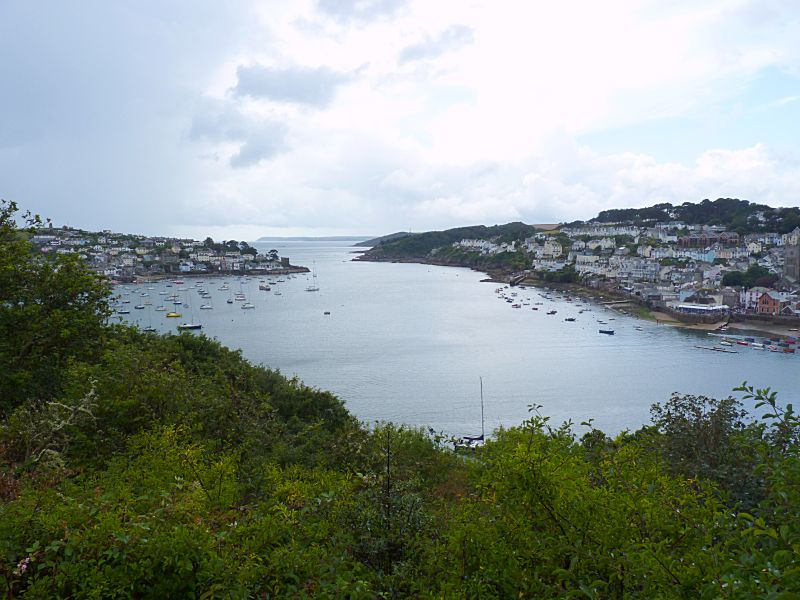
[717,349]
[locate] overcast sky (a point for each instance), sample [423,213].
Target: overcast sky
[239,119]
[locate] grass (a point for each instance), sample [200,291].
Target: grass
[641,312]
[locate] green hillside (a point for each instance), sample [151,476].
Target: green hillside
[419,245]
[737,215]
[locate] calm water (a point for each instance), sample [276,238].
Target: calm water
[408,343]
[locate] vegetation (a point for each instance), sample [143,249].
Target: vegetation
[51,312]
[566,274]
[736,215]
[421,244]
[230,246]
[755,275]
[137,465]
[384,238]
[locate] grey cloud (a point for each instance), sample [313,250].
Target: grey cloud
[359,10]
[95,96]
[299,85]
[268,141]
[218,122]
[452,38]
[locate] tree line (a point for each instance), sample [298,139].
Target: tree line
[733,214]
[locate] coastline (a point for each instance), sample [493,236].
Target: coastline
[501,276]
[216,274]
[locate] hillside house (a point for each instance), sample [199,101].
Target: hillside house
[769,303]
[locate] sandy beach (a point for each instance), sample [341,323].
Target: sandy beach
[768,328]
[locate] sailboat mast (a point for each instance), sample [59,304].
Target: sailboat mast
[482,434]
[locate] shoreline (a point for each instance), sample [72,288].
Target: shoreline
[500,276]
[215,274]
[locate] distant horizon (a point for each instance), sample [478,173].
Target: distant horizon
[316,238]
[344,237]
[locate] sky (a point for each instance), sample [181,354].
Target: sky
[242,119]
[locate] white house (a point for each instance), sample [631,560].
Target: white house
[552,248]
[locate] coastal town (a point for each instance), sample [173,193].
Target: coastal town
[126,257]
[696,270]
[704,272]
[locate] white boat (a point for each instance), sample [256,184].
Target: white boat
[190,326]
[206,307]
[313,287]
[248,305]
[471,441]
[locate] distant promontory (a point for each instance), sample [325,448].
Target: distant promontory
[333,238]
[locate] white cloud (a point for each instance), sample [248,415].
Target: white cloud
[301,85]
[452,38]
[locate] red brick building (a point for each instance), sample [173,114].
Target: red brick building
[768,305]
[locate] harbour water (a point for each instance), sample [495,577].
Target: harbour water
[407,343]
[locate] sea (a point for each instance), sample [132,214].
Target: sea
[418,344]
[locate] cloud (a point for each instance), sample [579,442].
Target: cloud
[581,182]
[567,182]
[267,141]
[300,85]
[217,121]
[778,103]
[360,10]
[220,122]
[420,114]
[450,39]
